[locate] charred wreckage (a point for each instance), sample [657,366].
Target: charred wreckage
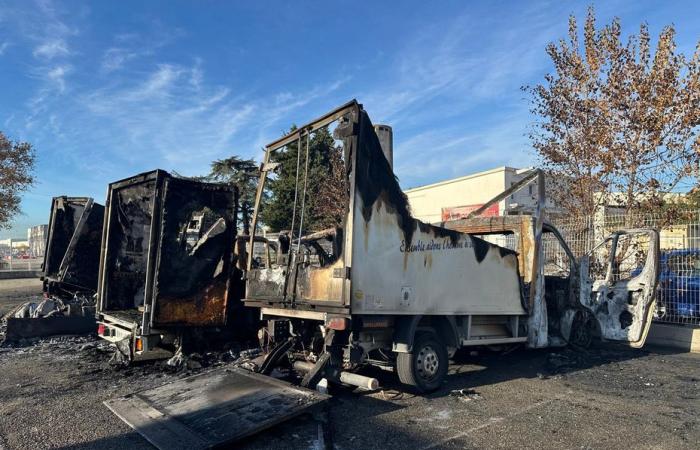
[378,287]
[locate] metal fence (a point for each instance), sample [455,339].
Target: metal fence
[678,299]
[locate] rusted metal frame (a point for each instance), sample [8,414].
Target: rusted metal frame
[101,278]
[51,227]
[309,305]
[531,175]
[313,125]
[153,254]
[294,215]
[136,179]
[52,220]
[323,234]
[256,209]
[87,208]
[296,190]
[303,196]
[103,284]
[350,107]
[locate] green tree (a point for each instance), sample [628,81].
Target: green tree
[617,119]
[17,160]
[244,174]
[324,206]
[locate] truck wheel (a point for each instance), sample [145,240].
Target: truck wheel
[581,332]
[426,366]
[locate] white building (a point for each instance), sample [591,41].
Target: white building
[455,198]
[36,239]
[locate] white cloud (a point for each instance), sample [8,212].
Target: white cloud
[4,46]
[115,58]
[57,75]
[51,48]
[172,116]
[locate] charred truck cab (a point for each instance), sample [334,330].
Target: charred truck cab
[167,262]
[379,287]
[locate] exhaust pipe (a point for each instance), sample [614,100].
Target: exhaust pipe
[353,379]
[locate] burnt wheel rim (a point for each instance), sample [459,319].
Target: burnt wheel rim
[581,333]
[427,363]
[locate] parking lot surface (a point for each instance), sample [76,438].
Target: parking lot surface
[608,397]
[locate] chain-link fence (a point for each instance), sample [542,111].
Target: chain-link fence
[678,299]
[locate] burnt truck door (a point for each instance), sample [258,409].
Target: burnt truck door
[192,280]
[618,284]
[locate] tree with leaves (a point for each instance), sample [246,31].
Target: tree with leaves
[326,186]
[244,174]
[615,119]
[17,160]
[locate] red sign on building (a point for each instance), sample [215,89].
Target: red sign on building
[461,212]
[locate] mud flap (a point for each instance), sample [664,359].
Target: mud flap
[214,408]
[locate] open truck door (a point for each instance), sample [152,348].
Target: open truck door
[618,284]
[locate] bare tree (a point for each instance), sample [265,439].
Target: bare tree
[16,166]
[615,120]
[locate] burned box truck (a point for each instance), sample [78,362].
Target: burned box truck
[167,262]
[72,247]
[69,275]
[379,287]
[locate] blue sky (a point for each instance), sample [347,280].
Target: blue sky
[105,90]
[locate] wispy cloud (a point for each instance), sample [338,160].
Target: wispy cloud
[51,48]
[4,46]
[173,115]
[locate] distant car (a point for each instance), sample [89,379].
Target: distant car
[679,282]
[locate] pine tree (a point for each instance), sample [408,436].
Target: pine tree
[323,208]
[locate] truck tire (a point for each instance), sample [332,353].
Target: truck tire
[426,366]
[581,331]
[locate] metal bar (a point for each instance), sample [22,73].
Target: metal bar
[313,125]
[539,219]
[303,197]
[63,266]
[296,191]
[531,175]
[256,210]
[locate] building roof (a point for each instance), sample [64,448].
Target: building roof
[462,178]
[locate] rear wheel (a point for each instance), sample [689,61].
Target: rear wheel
[425,367]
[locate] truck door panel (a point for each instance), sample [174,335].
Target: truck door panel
[619,280]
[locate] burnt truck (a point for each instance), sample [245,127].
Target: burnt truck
[167,263]
[72,250]
[69,274]
[379,287]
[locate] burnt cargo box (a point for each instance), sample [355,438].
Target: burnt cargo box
[72,254]
[167,252]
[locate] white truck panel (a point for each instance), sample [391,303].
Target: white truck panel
[434,273]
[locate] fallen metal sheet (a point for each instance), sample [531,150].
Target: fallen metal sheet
[22,328]
[212,408]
